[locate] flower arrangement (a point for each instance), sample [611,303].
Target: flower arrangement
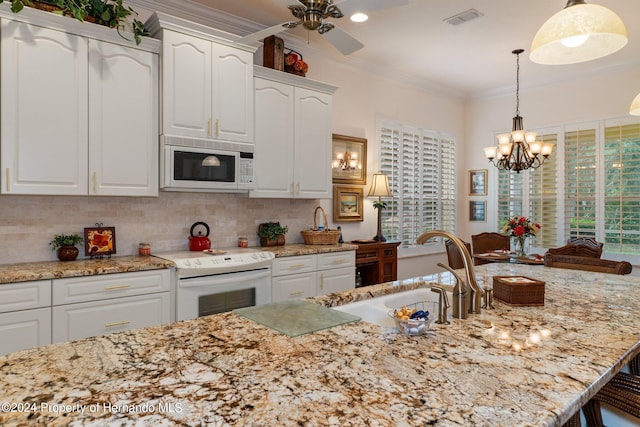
[293,63]
[520,227]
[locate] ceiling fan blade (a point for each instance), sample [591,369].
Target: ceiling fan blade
[259,35]
[287,3]
[349,7]
[342,41]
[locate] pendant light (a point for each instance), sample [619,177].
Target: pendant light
[634,110]
[519,149]
[580,32]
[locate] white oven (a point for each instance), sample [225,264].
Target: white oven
[209,284]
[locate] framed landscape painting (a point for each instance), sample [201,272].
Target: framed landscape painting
[478,182]
[347,204]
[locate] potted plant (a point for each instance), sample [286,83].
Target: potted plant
[272,234]
[110,13]
[65,246]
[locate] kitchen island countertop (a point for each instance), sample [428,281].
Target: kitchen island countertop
[511,366]
[302,249]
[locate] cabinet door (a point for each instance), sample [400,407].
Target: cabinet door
[293,286]
[44,111]
[186,84]
[336,280]
[25,329]
[123,89]
[312,153]
[273,165]
[232,97]
[76,321]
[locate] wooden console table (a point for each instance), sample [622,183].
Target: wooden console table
[377,262]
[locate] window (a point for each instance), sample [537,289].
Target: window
[589,187]
[421,168]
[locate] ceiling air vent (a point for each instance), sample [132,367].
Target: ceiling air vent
[463,17]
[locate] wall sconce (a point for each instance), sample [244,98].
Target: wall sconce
[346,161]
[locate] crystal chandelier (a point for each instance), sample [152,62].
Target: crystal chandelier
[518,150]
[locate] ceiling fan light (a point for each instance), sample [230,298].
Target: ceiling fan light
[561,40]
[359,17]
[634,110]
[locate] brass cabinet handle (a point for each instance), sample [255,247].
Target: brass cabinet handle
[95,182]
[298,188]
[295,266]
[8,176]
[291,188]
[217,128]
[114,287]
[321,281]
[295,294]
[209,127]
[112,324]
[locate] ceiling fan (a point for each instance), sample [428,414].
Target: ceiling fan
[312,13]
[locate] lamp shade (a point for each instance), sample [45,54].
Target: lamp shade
[380,186]
[580,32]
[634,110]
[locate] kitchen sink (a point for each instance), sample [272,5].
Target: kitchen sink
[375,310]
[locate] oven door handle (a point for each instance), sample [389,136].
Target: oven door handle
[217,280]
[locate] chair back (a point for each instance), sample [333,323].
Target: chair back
[454,257]
[489,241]
[587,264]
[580,246]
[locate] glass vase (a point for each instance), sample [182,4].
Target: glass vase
[520,243]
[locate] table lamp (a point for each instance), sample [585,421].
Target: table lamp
[379,188]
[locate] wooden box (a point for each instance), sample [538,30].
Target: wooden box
[518,290]
[273,53]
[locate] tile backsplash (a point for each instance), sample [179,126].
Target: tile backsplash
[28,223]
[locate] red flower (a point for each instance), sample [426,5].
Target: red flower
[522,219]
[518,231]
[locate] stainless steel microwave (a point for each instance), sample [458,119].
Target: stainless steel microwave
[192,164]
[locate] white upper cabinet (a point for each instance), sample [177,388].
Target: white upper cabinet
[207,81]
[293,136]
[123,89]
[78,115]
[43,110]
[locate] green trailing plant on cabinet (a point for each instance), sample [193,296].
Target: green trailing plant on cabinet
[110,13]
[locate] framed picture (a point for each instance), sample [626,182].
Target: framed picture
[477,211]
[99,241]
[478,182]
[347,204]
[349,160]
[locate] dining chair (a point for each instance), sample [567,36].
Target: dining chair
[487,242]
[454,257]
[580,246]
[587,264]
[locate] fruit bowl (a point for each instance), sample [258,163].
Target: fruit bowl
[414,319]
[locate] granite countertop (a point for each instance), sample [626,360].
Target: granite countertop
[302,249]
[511,366]
[23,272]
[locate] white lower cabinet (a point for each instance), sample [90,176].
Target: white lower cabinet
[97,305]
[76,321]
[306,276]
[25,315]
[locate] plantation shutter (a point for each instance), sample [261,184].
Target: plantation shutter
[510,196]
[580,183]
[420,165]
[622,189]
[543,197]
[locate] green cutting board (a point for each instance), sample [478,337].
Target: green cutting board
[296,317]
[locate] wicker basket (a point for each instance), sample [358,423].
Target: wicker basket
[518,290]
[320,237]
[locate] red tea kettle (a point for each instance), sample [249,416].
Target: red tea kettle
[199,242]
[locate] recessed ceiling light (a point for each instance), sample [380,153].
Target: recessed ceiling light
[359,17]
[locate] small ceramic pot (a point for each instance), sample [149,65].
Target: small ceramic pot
[67,253]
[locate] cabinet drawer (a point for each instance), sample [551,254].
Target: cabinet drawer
[293,286]
[25,329]
[93,288]
[294,264]
[25,295]
[336,260]
[76,321]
